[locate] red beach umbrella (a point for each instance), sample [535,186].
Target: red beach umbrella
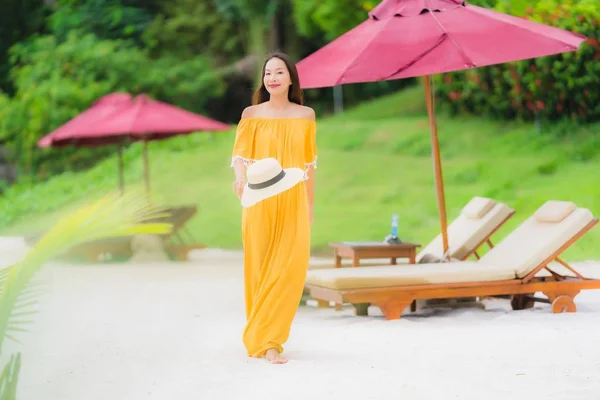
[118,117]
[409,38]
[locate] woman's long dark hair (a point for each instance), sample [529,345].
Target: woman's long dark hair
[295,94]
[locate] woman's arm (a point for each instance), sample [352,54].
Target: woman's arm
[311,154]
[239,168]
[239,163]
[310,191]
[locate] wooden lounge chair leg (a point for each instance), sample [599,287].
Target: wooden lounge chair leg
[522,301]
[322,304]
[393,308]
[338,307]
[562,302]
[361,309]
[92,256]
[338,261]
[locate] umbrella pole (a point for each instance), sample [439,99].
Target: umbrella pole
[121,169]
[146,168]
[437,162]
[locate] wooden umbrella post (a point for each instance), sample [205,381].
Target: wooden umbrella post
[146,167]
[437,162]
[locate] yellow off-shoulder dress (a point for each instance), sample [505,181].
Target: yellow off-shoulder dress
[276,231]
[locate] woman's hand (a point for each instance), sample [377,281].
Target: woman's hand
[238,187]
[310,213]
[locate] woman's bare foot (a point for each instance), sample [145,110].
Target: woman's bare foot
[274,357]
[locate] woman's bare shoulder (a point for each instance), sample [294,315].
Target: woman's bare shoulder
[306,112]
[297,111]
[251,111]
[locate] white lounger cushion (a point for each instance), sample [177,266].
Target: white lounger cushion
[515,257]
[533,242]
[417,274]
[554,211]
[477,207]
[467,231]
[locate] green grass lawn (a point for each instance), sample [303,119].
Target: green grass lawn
[374,160]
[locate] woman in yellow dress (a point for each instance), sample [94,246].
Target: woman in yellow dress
[275,231]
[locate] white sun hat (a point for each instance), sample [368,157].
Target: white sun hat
[266,178]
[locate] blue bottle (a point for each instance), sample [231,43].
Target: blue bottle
[395,226]
[392,238]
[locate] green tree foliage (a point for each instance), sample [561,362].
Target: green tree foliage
[256,19]
[187,28]
[18,20]
[330,18]
[107,19]
[56,81]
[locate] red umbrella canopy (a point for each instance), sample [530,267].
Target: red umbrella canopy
[102,109]
[408,38]
[118,116]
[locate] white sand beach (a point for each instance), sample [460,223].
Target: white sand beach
[173,331]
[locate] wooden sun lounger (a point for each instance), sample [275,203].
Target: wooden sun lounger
[487,240]
[481,218]
[181,241]
[559,290]
[178,243]
[481,207]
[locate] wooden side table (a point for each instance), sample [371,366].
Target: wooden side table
[369,250]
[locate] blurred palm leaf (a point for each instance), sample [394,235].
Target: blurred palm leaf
[10,377]
[111,216]
[3,275]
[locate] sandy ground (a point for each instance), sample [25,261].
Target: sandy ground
[173,331]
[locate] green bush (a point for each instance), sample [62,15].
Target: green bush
[551,88]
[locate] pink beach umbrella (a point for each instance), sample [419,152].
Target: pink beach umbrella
[409,38]
[118,117]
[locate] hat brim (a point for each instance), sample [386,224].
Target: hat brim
[292,177]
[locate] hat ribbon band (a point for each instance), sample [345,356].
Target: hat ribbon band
[266,184]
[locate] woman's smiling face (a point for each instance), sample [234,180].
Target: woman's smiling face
[277,78]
